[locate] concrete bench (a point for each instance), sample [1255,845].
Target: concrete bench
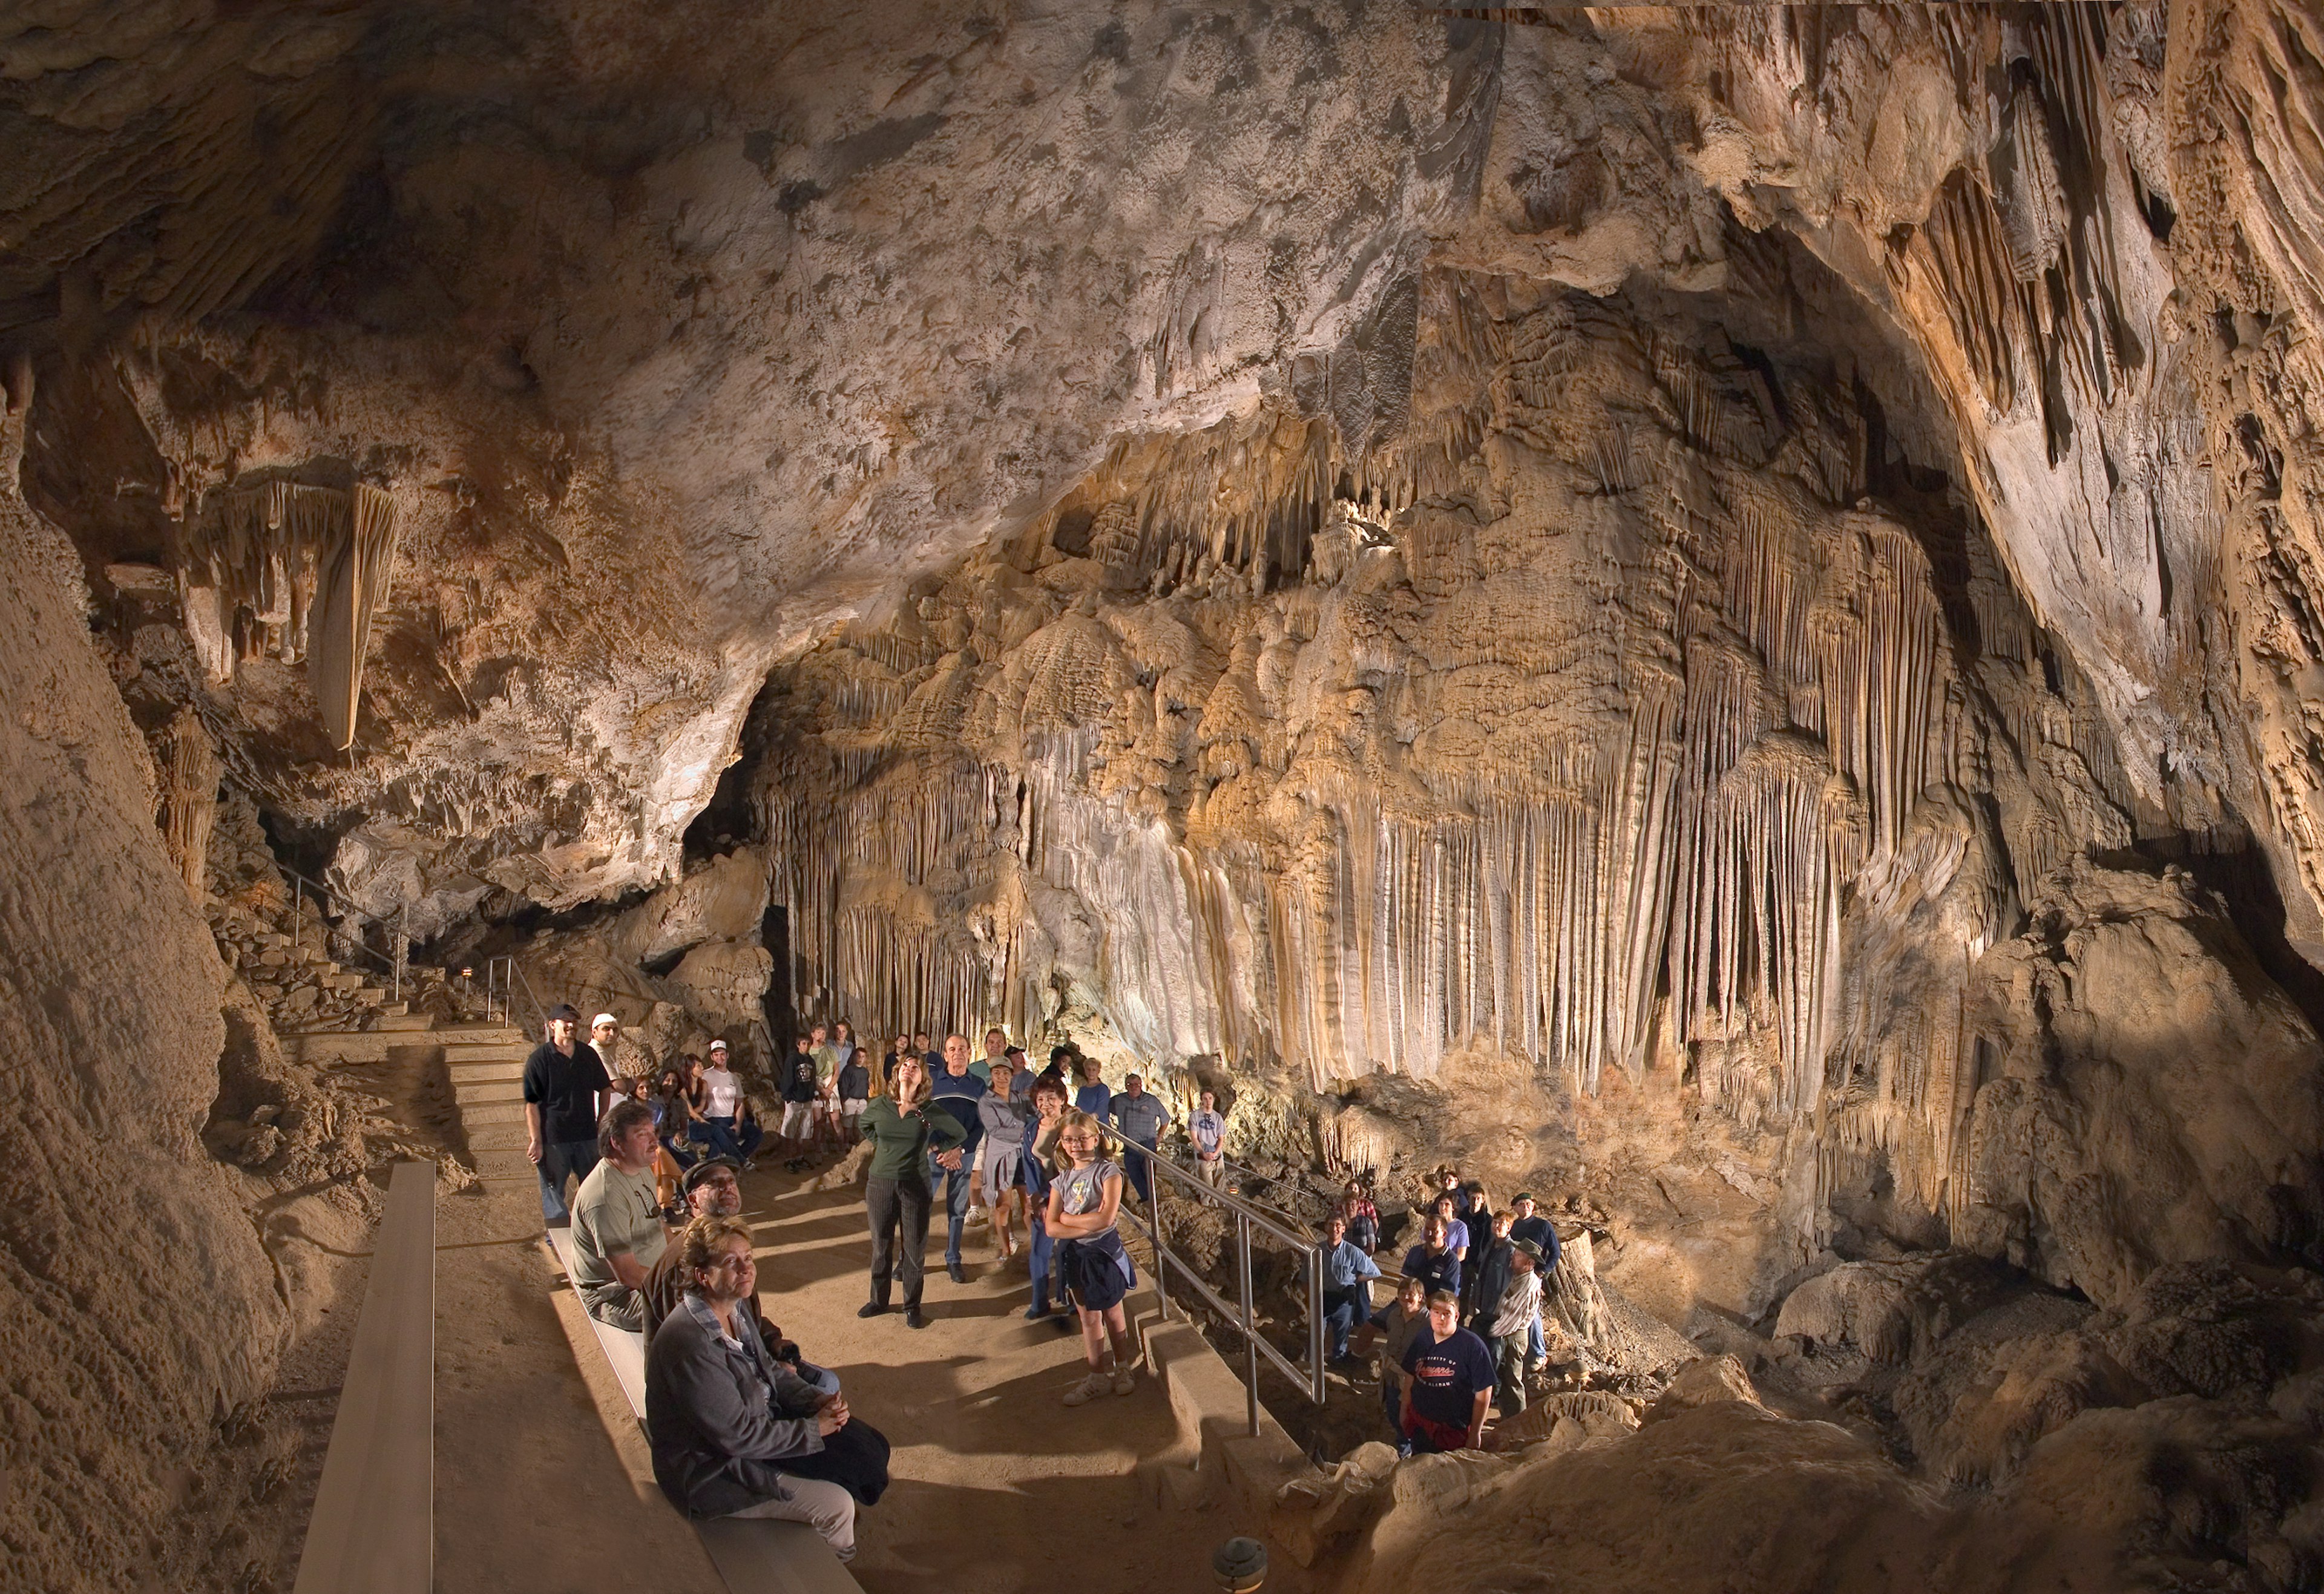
[373,1528]
[752,1557]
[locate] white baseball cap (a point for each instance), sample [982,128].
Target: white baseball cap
[605,1018]
[718,1045]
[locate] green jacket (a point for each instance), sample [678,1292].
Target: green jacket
[900,1142]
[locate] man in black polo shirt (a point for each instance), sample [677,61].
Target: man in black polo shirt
[565,1087]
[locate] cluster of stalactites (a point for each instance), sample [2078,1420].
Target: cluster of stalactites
[290,571]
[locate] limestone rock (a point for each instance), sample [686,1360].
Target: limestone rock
[1710,1381]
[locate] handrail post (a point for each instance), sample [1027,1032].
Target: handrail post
[1315,1391]
[402,946]
[1154,1220]
[1249,1324]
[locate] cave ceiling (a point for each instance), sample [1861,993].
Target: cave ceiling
[661,350]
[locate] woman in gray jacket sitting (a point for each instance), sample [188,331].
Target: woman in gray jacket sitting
[736,1432]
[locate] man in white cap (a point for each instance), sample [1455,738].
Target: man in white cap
[619,1056]
[722,1109]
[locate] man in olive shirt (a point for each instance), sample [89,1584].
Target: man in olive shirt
[617,1232]
[565,1083]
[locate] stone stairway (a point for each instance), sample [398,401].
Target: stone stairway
[487,1064]
[302,986]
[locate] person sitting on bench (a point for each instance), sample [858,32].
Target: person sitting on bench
[714,1189]
[735,1431]
[617,1232]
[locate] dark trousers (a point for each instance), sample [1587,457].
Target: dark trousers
[957,1186]
[1342,1310]
[1039,1250]
[892,1204]
[559,1159]
[1141,1173]
[728,1140]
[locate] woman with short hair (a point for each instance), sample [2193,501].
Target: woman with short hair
[906,1130]
[736,1432]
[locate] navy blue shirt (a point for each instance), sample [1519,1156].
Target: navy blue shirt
[1537,1230]
[1440,1272]
[958,1097]
[1446,1375]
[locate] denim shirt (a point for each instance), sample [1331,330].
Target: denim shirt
[1343,1265]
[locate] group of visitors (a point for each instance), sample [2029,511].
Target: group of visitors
[740,1423]
[1463,1332]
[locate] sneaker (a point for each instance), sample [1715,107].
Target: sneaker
[871,1309]
[915,1318]
[959,1274]
[1088,1389]
[1125,1380]
[1036,1311]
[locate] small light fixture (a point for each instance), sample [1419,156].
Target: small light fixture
[1239,1565]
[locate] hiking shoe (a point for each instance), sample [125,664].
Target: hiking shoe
[959,1274]
[1036,1311]
[871,1309]
[1125,1380]
[915,1318]
[1088,1389]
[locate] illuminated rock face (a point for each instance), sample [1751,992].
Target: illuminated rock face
[1718,604]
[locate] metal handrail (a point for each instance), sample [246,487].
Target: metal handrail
[1239,1316]
[504,982]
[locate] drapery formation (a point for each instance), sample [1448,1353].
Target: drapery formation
[295,572]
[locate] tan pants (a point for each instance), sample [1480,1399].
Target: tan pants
[1211,1172]
[825,1507]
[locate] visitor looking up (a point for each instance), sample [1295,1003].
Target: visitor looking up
[854,1094]
[735,1431]
[1486,1274]
[1530,1225]
[565,1085]
[1510,1322]
[1397,1322]
[1094,1097]
[797,1090]
[1362,1216]
[714,1189]
[1040,1145]
[722,1109]
[617,1232]
[1141,1116]
[1448,1382]
[1207,1131]
[1347,1297]
[673,1117]
[1002,1115]
[1456,1232]
[1432,1261]
[1085,1198]
[956,1091]
[909,1137]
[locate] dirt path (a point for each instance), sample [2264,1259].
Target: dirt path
[998,1484]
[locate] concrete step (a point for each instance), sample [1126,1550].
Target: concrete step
[501,1163]
[476,1114]
[399,1016]
[341,981]
[475,1032]
[365,1046]
[271,939]
[476,1073]
[492,1091]
[461,1052]
[370,996]
[497,1137]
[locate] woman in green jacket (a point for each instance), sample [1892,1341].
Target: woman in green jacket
[905,1132]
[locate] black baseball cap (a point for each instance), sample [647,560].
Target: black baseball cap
[701,1171]
[565,1010]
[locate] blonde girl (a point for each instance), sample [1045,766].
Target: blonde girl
[1085,1200]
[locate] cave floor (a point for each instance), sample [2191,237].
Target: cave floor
[996,1482]
[544,1483]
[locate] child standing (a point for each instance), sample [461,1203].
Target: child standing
[1083,1203]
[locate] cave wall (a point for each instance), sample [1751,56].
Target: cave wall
[138,1311]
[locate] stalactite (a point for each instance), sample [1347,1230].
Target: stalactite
[189,797]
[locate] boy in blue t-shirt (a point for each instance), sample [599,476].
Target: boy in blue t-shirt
[1448,1381]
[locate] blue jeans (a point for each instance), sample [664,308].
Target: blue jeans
[726,1140]
[1039,1247]
[1536,1347]
[1342,1308]
[679,1151]
[1135,1166]
[558,1159]
[957,1186]
[1392,1403]
[821,1377]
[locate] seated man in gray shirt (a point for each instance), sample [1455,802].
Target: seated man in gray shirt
[617,1232]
